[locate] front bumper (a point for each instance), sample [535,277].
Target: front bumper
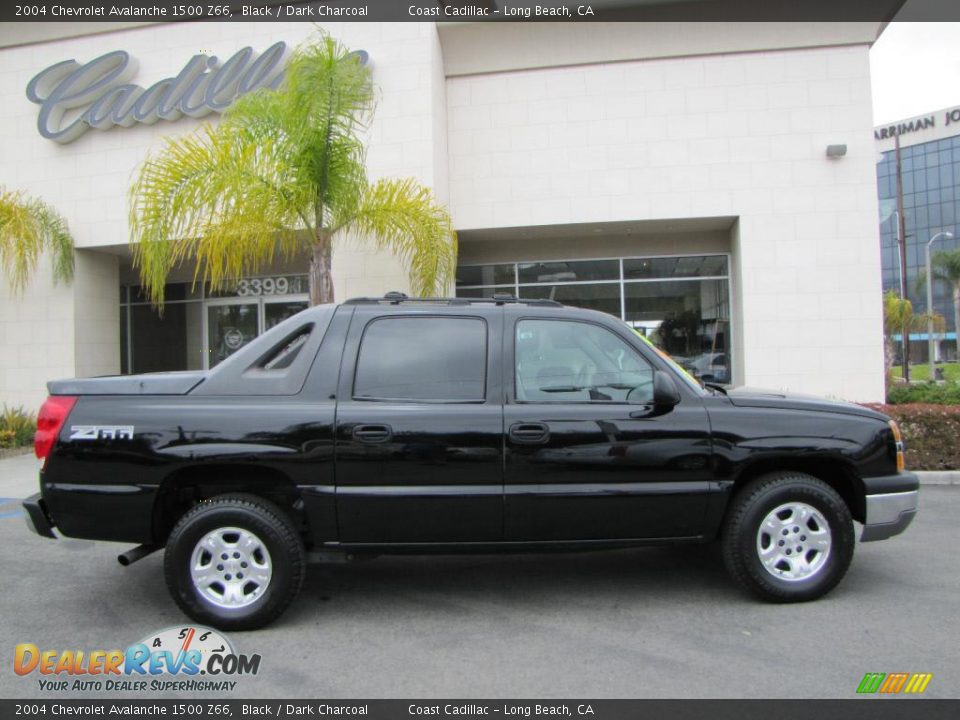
[891,510]
[37,518]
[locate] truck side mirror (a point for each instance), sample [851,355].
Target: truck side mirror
[665,391]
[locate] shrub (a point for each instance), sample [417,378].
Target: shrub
[929,392]
[930,433]
[17,427]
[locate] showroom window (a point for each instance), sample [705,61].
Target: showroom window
[682,303]
[198,328]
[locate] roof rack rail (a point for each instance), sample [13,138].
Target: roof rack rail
[395,298]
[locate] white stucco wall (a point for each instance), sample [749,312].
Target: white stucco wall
[741,135]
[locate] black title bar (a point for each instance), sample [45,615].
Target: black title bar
[431,709]
[474,10]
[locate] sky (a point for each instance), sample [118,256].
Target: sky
[915,69]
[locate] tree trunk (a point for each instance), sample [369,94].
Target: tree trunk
[888,358]
[321,277]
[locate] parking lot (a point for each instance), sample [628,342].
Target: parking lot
[660,622]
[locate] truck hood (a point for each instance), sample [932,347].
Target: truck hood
[754,397]
[167,383]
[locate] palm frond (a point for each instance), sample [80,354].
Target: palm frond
[29,227]
[945,266]
[218,197]
[330,100]
[281,167]
[898,316]
[403,216]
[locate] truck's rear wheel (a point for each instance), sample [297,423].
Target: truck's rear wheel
[788,537]
[234,562]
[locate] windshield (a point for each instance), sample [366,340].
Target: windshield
[691,381]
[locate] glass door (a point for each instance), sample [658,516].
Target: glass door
[276,310]
[231,322]
[230,326]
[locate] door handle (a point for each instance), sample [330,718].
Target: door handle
[529,433]
[372,433]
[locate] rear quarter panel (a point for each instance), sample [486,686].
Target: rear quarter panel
[105,488]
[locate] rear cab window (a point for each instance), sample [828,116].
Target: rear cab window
[422,359]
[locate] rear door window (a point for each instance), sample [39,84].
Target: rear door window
[422,359]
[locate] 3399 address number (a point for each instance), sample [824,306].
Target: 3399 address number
[263,286]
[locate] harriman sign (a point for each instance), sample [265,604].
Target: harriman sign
[925,122]
[75,97]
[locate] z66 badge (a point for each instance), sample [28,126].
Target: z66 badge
[101,432]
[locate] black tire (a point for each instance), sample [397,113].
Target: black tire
[259,604]
[742,542]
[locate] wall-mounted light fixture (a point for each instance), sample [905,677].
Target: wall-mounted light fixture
[836,151]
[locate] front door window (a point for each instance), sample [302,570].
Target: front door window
[562,361]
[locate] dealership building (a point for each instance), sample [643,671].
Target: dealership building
[930,186]
[712,184]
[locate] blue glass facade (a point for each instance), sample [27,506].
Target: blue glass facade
[931,204]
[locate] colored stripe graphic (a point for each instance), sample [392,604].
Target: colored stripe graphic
[894,682]
[918,682]
[871,682]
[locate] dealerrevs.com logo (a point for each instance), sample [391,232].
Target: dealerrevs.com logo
[176,659]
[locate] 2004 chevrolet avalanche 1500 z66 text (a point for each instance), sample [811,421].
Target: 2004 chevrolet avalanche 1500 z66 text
[392,425]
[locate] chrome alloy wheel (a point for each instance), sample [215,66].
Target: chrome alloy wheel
[793,541]
[230,567]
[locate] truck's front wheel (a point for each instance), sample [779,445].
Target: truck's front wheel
[234,562]
[788,537]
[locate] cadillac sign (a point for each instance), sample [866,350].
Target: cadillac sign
[75,97]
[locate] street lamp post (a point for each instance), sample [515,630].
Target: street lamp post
[930,344]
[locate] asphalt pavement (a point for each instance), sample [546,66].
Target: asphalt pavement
[656,622]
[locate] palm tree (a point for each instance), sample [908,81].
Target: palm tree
[945,266]
[28,228]
[284,174]
[898,317]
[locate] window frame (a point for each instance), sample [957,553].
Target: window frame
[514,398]
[424,401]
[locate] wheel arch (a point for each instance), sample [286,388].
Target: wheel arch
[186,486]
[838,474]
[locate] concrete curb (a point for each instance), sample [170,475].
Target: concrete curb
[939,477]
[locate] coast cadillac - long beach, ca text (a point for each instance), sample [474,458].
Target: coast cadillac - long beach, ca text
[507,10]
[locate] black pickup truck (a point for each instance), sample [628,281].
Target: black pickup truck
[392,425]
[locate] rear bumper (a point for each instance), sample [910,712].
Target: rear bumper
[37,518]
[891,507]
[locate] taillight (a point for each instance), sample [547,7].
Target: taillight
[898,445]
[53,414]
